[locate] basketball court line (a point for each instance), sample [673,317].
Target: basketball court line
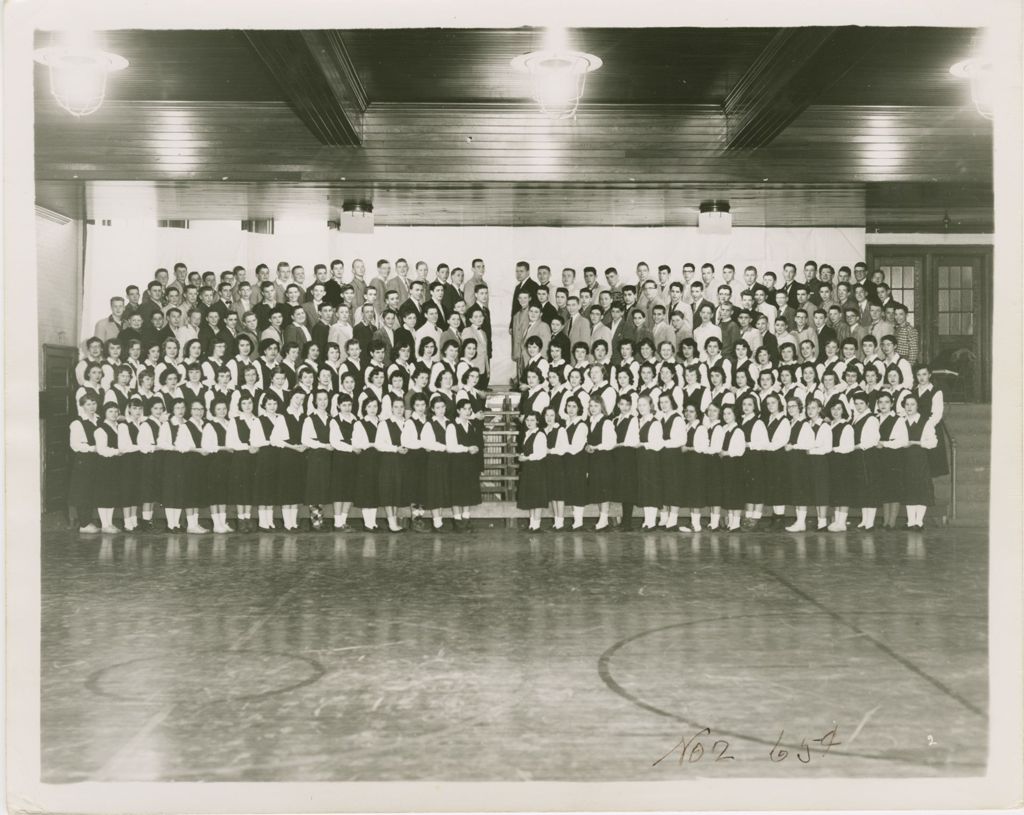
[885,649]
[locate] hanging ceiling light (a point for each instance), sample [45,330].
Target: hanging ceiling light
[559,75]
[981,73]
[78,76]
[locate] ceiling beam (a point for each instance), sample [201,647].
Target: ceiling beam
[796,66]
[319,80]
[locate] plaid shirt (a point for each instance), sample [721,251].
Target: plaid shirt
[907,342]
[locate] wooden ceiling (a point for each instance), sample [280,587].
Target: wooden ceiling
[205,124]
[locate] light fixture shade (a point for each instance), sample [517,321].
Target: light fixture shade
[78,76]
[559,78]
[981,74]
[714,218]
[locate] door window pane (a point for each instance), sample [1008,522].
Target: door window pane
[943,277]
[908,277]
[966,300]
[954,277]
[967,324]
[954,323]
[908,301]
[954,300]
[943,323]
[943,301]
[967,273]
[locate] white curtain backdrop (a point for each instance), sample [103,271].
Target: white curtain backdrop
[129,252]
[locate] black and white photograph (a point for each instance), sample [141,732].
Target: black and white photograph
[566,398]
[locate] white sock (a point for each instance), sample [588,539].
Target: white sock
[147,514]
[662,517]
[602,520]
[457,515]
[695,521]
[577,516]
[650,516]
[716,517]
[438,523]
[868,516]
[370,518]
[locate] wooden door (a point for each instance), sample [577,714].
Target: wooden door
[55,414]
[956,332]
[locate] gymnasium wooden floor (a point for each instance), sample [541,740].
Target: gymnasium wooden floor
[499,655]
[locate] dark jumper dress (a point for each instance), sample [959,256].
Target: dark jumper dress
[437,493]
[624,461]
[889,476]
[735,471]
[692,477]
[918,488]
[600,467]
[344,465]
[291,465]
[670,464]
[464,468]
[83,489]
[264,482]
[318,463]
[554,467]
[840,471]
[243,466]
[574,469]
[532,490]
[390,490]
[366,496]
[193,481]
[130,471]
[218,468]
[149,469]
[648,469]
[108,472]
[775,482]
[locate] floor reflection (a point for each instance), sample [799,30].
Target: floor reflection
[504,655]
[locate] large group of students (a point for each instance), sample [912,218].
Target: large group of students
[208,393]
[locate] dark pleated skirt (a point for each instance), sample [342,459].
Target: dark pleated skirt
[938,465]
[840,479]
[82,488]
[172,478]
[864,477]
[344,472]
[668,475]
[390,491]
[265,491]
[624,461]
[130,475]
[735,470]
[648,478]
[367,476]
[554,477]
[318,476]
[291,477]
[693,486]
[149,477]
[218,477]
[575,473]
[414,483]
[464,479]
[798,480]
[108,482]
[889,479]
[820,481]
[752,477]
[600,476]
[713,479]
[918,487]
[437,491]
[242,478]
[532,490]
[775,479]
[193,481]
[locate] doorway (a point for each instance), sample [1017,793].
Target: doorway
[948,293]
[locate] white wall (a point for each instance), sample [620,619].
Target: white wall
[127,252]
[59,275]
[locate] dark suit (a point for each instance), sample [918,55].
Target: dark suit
[826,335]
[618,335]
[548,312]
[530,287]
[562,341]
[695,312]
[412,305]
[364,333]
[403,336]
[320,333]
[450,297]
[389,347]
[294,334]
[768,341]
